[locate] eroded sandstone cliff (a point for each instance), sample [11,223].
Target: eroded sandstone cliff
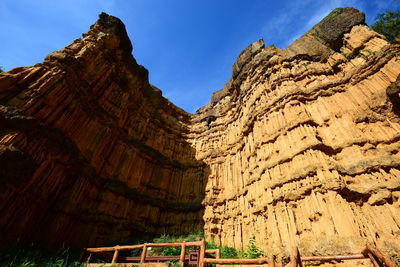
[90,151]
[301,146]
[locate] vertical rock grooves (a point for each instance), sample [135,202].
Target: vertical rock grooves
[107,154]
[301,146]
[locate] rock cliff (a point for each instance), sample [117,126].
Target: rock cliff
[92,152]
[301,146]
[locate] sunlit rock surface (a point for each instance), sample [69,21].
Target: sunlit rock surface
[301,146]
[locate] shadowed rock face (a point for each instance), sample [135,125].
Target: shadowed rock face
[92,152]
[301,146]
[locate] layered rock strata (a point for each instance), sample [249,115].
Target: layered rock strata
[303,144]
[90,151]
[300,147]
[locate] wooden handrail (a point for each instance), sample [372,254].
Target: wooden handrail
[331,258]
[101,249]
[236,261]
[129,247]
[215,251]
[295,259]
[382,257]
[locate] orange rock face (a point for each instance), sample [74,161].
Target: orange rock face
[101,155]
[304,144]
[300,147]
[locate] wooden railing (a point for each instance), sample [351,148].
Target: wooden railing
[260,261]
[377,257]
[144,247]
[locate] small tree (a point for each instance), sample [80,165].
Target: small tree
[388,24]
[253,251]
[1,69]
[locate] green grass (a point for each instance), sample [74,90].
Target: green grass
[23,255]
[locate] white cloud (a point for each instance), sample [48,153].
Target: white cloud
[283,24]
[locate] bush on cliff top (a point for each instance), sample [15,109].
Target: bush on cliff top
[388,24]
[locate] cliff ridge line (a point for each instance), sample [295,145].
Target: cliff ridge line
[300,147]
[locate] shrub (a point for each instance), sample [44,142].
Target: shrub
[253,251]
[229,253]
[174,251]
[388,24]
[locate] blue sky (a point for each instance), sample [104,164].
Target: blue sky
[188,46]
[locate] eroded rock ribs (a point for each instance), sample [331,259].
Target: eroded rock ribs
[110,153]
[301,146]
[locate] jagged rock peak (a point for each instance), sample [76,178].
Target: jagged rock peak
[326,37]
[246,55]
[108,23]
[332,28]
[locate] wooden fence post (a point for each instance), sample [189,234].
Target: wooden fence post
[202,253]
[115,256]
[372,258]
[271,261]
[144,252]
[295,259]
[89,257]
[183,253]
[382,257]
[218,254]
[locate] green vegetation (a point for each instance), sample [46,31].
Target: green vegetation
[35,256]
[251,252]
[335,12]
[388,24]
[1,69]
[23,255]
[230,253]
[173,239]
[173,263]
